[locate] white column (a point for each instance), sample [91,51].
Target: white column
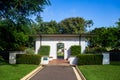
[82,45]
[37,45]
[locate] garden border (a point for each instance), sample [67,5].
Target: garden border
[32,73]
[80,73]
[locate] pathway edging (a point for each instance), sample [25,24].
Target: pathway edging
[80,73]
[76,73]
[31,74]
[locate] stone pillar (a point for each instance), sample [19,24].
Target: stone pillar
[12,58]
[106,58]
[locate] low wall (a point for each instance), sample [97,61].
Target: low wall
[73,60]
[12,56]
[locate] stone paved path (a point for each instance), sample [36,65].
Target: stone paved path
[55,73]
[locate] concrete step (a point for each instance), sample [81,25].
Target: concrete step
[59,61]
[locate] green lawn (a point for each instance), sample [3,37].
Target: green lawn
[101,72]
[15,72]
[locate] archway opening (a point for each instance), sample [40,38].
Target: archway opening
[60,50]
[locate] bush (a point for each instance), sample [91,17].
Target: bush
[28,59]
[95,50]
[75,50]
[90,59]
[29,51]
[100,49]
[1,60]
[44,50]
[115,50]
[89,50]
[5,55]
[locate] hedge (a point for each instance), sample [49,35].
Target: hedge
[5,55]
[75,50]
[114,56]
[90,59]
[28,59]
[1,60]
[44,50]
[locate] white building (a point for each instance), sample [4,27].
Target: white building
[63,40]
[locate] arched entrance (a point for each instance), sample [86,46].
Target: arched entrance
[60,50]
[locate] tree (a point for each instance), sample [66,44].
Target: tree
[105,37]
[15,21]
[75,25]
[10,37]
[19,10]
[48,27]
[118,23]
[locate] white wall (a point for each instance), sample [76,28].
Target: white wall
[53,40]
[37,45]
[83,44]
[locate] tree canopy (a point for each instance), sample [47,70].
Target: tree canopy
[74,25]
[105,37]
[15,22]
[20,10]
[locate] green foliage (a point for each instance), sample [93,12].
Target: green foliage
[15,22]
[1,60]
[48,27]
[75,25]
[28,59]
[105,37]
[90,59]
[75,50]
[19,11]
[5,55]
[13,38]
[95,50]
[29,51]
[44,50]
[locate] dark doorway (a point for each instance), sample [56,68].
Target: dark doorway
[60,50]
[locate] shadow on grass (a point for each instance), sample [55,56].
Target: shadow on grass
[116,63]
[5,63]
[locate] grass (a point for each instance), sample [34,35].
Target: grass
[101,72]
[15,72]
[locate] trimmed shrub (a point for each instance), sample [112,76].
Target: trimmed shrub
[90,59]
[44,50]
[75,50]
[28,59]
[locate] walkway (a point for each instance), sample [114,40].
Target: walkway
[55,73]
[57,69]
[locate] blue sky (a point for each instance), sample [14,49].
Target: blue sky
[102,12]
